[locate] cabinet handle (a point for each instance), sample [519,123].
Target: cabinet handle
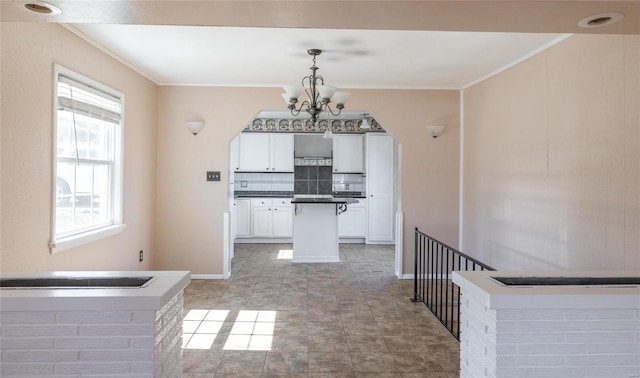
[269,209]
[275,209]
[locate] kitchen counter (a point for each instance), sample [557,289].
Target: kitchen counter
[349,195]
[263,194]
[322,200]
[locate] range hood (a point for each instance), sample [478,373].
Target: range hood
[312,146]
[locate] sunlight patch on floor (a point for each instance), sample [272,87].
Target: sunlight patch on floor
[252,330]
[201,327]
[285,254]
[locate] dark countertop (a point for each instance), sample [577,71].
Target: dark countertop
[349,195]
[337,201]
[262,194]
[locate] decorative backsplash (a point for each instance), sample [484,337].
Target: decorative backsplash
[312,180]
[263,182]
[309,180]
[349,182]
[298,125]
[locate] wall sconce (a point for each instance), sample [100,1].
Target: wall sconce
[195,126]
[435,130]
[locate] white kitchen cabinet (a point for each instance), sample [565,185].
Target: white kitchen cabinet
[353,222]
[282,219]
[254,152]
[281,152]
[380,188]
[262,152]
[261,217]
[272,218]
[242,208]
[348,154]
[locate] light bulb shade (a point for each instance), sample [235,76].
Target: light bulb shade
[287,99]
[293,91]
[435,130]
[326,91]
[365,124]
[328,134]
[341,97]
[195,126]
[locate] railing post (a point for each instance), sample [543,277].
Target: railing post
[415,267]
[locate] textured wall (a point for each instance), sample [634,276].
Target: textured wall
[27,57]
[552,159]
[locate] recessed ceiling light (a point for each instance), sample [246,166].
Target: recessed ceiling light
[43,8]
[602,19]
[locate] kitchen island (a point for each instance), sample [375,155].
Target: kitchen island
[315,228]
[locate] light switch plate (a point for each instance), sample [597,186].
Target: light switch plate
[213,175]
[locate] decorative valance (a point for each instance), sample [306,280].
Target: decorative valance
[300,125]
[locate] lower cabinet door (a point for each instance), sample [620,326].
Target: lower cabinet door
[243,217]
[353,222]
[282,217]
[261,222]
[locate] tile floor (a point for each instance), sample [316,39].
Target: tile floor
[273,318]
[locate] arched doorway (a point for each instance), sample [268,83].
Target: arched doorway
[379,183]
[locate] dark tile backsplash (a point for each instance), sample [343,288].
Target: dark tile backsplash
[312,180]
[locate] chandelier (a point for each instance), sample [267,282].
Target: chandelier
[319,95]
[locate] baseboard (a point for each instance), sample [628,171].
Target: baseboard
[208,277]
[351,241]
[381,242]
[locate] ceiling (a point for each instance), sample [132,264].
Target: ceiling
[368,44]
[272,57]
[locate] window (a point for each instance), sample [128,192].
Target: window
[87,161]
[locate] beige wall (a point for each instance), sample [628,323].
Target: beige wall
[182,227]
[190,210]
[28,54]
[552,159]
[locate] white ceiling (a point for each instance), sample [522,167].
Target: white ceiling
[272,57]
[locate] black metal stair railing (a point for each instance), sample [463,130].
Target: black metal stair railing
[434,262]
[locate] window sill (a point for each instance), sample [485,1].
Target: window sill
[87,237]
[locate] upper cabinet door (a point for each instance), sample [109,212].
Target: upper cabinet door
[281,152]
[254,152]
[260,152]
[348,153]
